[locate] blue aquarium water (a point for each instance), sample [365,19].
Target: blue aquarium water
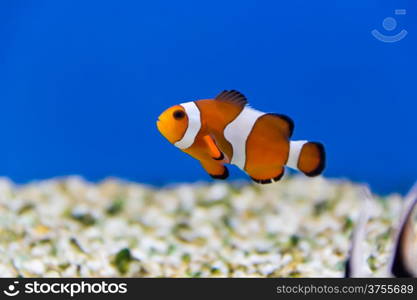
[82,82]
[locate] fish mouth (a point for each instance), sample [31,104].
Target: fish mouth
[158,123]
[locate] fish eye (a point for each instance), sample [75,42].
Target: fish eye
[179,114]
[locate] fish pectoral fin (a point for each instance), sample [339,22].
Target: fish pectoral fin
[215,169]
[214,151]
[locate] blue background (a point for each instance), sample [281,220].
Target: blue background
[82,83]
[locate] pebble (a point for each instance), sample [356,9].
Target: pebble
[296,227]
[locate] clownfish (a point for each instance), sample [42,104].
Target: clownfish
[226,130]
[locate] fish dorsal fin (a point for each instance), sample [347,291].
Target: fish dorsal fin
[232,96]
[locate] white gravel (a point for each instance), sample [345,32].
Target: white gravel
[297,227]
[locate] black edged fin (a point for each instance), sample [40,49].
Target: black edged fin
[232,96]
[262,181]
[403,258]
[270,180]
[221,157]
[221,176]
[289,123]
[278,178]
[322,161]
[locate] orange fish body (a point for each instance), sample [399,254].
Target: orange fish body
[226,130]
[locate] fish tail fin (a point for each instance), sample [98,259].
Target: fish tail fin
[307,157]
